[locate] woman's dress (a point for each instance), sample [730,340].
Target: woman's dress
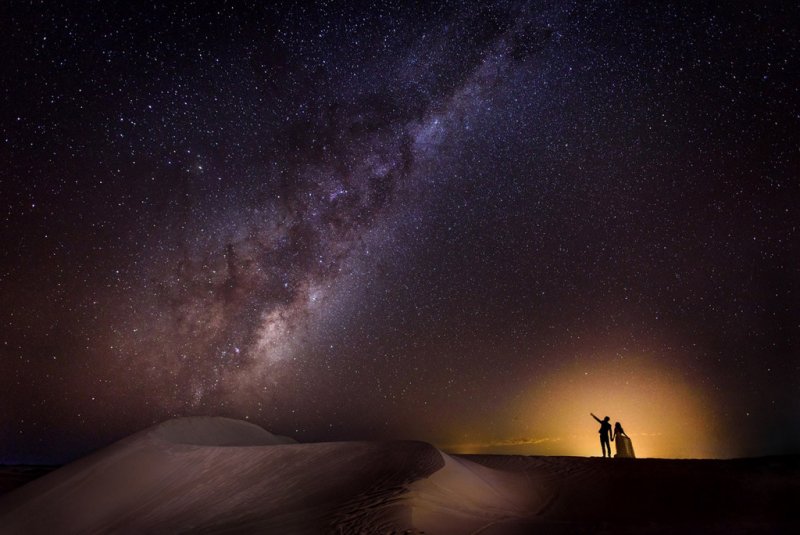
[624,447]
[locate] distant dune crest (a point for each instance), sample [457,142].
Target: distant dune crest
[215,431]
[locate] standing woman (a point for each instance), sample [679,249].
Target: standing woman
[623,443]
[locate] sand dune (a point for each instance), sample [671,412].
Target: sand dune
[216,475]
[595,495]
[205,431]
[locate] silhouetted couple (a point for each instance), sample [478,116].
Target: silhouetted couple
[624,445]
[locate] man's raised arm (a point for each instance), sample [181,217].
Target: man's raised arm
[596,418]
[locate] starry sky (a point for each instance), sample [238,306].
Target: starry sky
[466,223]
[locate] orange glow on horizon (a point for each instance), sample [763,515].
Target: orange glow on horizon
[663,413]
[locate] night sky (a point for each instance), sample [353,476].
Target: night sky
[466,224]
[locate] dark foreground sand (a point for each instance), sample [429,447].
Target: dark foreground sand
[215,475]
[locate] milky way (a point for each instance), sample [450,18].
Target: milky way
[390,221]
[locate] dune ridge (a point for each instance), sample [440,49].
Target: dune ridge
[214,431]
[216,475]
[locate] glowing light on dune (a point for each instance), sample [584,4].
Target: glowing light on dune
[663,412]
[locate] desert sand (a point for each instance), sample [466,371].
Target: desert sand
[217,475]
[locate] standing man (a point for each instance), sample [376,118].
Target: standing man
[605,431]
